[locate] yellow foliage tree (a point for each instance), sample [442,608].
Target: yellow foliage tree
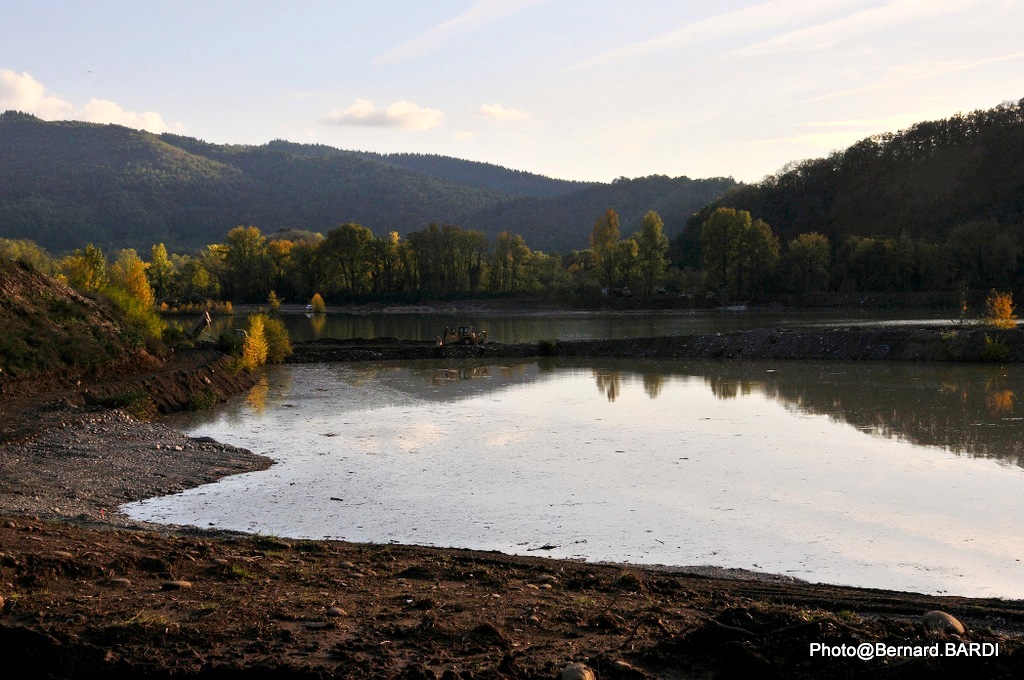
[1000,310]
[254,348]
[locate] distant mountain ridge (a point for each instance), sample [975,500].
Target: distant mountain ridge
[65,184]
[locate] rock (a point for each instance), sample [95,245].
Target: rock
[2,603]
[175,585]
[61,554]
[336,611]
[119,582]
[577,671]
[941,622]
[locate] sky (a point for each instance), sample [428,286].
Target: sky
[574,89]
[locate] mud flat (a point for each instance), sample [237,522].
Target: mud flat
[840,344]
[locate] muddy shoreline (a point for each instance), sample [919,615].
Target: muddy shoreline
[86,592]
[952,344]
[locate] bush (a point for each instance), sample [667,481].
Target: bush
[546,347]
[995,350]
[1000,310]
[279,345]
[318,304]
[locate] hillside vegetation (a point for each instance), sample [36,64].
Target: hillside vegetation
[923,182]
[67,184]
[47,326]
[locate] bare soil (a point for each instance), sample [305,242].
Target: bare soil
[88,593]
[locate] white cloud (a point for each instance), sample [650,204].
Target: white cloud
[105,111]
[403,115]
[502,113]
[25,93]
[481,13]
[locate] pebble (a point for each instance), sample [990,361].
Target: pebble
[175,585]
[577,671]
[941,622]
[63,555]
[121,582]
[336,611]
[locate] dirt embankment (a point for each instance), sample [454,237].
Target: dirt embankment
[844,344]
[83,603]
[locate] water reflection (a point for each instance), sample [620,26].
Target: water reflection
[967,409]
[665,462]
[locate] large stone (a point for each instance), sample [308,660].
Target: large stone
[941,622]
[577,671]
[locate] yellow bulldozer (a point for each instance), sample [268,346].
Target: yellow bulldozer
[463,335]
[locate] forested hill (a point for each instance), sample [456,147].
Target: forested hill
[67,184]
[486,175]
[924,182]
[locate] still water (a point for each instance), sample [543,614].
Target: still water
[567,325]
[894,476]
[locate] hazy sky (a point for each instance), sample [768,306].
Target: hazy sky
[576,89]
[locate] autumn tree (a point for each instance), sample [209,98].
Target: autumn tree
[128,272]
[603,242]
[86,269]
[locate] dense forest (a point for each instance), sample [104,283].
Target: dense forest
[935,206]
[67,184]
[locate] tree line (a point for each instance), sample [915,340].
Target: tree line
[731,256]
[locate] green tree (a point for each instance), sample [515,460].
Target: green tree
[247,264]
[720,241]
[758,259]
[509,263]
[603,241]
[627,261]
[807,263]
[652,248]
[160,270]
[344,253]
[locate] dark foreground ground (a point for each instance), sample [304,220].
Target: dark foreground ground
[87,593]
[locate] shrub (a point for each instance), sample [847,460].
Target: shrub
[546,347]
[279,346]
[254,346]
[1000,310]
[995,350]
[318,304]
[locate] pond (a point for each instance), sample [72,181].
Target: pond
[904,477]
